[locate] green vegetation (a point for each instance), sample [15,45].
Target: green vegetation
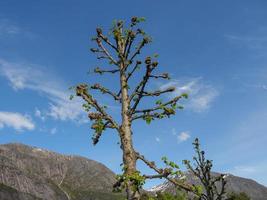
[240,196]
[166,196]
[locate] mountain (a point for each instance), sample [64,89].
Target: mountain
[28,173]
[235,184]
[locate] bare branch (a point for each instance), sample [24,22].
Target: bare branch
[173,101]
[165,175]
[164,76]
[98,41]
[154,176]
[95,50]
[131,73]
[129,40]
[141,45]
[138,63]
[141,86]
[132,35]
[158,92]
[105,91]
[101,71]
[105,39]
[81,90]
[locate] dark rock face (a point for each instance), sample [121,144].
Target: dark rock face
[235,184]
[28,173]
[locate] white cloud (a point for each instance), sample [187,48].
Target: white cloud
[16,120]
[201,95]
[39,114]
[53,131]
[157,139]
[183,136]
[31,77]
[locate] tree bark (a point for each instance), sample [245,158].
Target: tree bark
[129,156]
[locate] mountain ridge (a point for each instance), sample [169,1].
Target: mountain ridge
[49,175]
[234,184]
[33,173]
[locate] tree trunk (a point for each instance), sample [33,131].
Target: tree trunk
[129,156]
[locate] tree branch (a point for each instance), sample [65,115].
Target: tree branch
[98,41]
[141,86]
[173,101]
[105,39]
[154,176]
[101,71]
[164,76]
[141,45]
[81,90]
[131,73]
[165,175]
[158,92]
[105,90]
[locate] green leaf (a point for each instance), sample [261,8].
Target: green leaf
[71,96]
[180,107]
[148,119]
[156,55]
[159,102]
[185,95]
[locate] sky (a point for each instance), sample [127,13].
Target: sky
[216,51]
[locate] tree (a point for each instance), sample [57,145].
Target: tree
[214,186]
[118,49]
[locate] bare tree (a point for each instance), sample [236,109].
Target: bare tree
[118,49]
[214,186]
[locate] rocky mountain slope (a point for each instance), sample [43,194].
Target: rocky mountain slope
[28,173]
[235,184]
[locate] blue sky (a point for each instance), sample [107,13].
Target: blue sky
[214,50]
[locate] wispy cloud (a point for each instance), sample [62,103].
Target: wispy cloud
[182,136]
[39,114]
[32,77]
[7,28]
[244,169]
[201,95]
[157,139]
[252,41]
[16,120]
[255,171]
[10,30]
[53,131]
[255,41]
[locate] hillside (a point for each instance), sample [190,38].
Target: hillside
[29,173]
[34,173]
[235,184]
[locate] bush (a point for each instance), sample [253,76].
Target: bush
[165,196]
